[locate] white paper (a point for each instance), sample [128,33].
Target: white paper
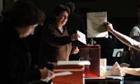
[84,62]
[116,52]
[57,74]
[63,73]
[95,27]
[82,37]
[103,64]
[115,77]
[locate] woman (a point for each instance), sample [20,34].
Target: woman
[18,22]
[55,41]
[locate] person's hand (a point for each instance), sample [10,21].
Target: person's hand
[75,50]
[115,70]
[46,74]
[109,26]
[74,37]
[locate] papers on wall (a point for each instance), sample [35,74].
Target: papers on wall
[116,52]
[82,38]
[95,27]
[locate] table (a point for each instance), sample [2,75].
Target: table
[107,80]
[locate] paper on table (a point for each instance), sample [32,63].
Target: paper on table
[82,62]
[82,37]
[115,77]
[95,27]
[63,73]
[57,74]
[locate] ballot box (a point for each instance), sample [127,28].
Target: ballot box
[93,54]
[69,73]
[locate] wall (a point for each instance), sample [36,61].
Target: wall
[1,6]
[115,8]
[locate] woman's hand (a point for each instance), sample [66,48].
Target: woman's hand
[74,37]
[109,26]
[75,50]
[46,74]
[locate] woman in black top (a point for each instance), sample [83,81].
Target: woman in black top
[18,22]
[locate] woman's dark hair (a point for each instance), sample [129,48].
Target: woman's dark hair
[71,6]
[60,8]
[21,13]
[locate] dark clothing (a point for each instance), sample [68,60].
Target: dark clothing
[33,42]
[17,58]
[55,45]
[133,64]
[75,22]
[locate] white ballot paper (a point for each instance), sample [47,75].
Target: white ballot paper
[95,27]
[63,73]
[82,37]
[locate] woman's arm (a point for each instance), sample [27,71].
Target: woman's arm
[123,38]
[132,71]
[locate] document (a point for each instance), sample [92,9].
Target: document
[82,38]
[95,27]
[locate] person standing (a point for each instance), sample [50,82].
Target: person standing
[18,22]
[135,31]
[127,41]
[75,22]
[55,41]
